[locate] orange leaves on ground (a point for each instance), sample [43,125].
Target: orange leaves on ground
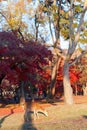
[5,111]
[10,110]
[16,110]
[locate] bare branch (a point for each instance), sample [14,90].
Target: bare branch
[4,16]
[73,42]
[57,50]
[78,58]
[80,24]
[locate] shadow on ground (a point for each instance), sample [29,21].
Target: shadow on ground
[28,121]
[25,126]
[28,126]
[2,119]
[84,116]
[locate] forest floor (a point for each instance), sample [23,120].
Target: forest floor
[60,116]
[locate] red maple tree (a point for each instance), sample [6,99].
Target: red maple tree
[21,61]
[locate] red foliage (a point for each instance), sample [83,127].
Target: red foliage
[21,61]
[24,61]
[10,80]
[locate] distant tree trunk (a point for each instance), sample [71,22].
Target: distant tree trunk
[85,90]
[22,98]
[36,26]
[76,90]
[68,92]
[53,80]
[51,91]
[1,96]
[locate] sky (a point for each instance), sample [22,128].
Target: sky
[64,44]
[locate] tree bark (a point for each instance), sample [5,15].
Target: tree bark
[51,91]
[85,90]
[76,90]
[68,92]
[22,98]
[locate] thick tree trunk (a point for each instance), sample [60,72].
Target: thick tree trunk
[68,93]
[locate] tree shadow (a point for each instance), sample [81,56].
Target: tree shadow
[25,126]
[84,116]
[2,119]
[28,126]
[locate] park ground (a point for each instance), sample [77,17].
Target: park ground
[60,116]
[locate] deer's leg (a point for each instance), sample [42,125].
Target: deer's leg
[35,115]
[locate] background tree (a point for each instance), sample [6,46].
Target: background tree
[14,19]
[83,78]
[73,41]
[72,32]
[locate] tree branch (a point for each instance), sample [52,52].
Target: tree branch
[58,50]
[78,58]
[80,24]
[73,42]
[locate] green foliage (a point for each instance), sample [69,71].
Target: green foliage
[65,33]
[78,9]
[83,41]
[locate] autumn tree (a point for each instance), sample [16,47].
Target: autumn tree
[13,15]
[71,28]
[83,78]
[48,9]
[73,41]
[21,62]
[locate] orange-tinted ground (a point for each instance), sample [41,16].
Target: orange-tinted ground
[15,108]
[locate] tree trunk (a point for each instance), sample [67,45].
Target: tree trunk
[76,90]
[22,98]
[51,91]
[36,26]
[68,93]
[1,96]
[85,90]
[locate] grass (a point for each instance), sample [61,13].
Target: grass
[61,117]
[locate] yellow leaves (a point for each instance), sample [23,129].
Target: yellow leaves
[20,6]
[41,8]
[14,22]
[15,11]
[62,12]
